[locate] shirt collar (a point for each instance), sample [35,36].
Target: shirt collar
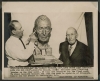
[74,45]
[14,38]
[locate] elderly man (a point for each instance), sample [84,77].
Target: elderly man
[16,52]
[41,35]
[73,52]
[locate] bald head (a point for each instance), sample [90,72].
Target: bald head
[72,29]
[71,35]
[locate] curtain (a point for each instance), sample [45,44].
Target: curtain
[7,19]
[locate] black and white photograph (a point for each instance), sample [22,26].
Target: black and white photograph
[44,41]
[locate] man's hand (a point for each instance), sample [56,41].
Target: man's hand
[32,38]
[31,59]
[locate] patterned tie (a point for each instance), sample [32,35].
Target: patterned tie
[70,47]
[22,43]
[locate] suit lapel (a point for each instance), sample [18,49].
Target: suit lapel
[65,51]
[76,51]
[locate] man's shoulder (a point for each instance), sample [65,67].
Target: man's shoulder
[82,44]
[10,40]
[64,43]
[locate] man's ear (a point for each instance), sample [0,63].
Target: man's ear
[13,31]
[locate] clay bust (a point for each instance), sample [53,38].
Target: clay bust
[41,35]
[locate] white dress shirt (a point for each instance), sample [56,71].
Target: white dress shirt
[16,53]
[72,48]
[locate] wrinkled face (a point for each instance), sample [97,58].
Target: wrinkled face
[18,32]
[43,31]
[71,36]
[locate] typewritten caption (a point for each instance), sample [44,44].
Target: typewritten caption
[51,72]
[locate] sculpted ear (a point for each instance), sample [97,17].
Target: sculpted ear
[77,35]
[13,31]
[50,29]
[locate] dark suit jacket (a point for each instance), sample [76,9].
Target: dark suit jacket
[79,58]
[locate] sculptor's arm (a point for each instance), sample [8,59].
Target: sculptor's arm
[32,38]
[16,53]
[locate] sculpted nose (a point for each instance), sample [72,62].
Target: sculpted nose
[44,32]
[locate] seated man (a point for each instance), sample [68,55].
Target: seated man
[16,52]
[74,53]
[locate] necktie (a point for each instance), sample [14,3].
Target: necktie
[70,47]
[22,43]
[43,52]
